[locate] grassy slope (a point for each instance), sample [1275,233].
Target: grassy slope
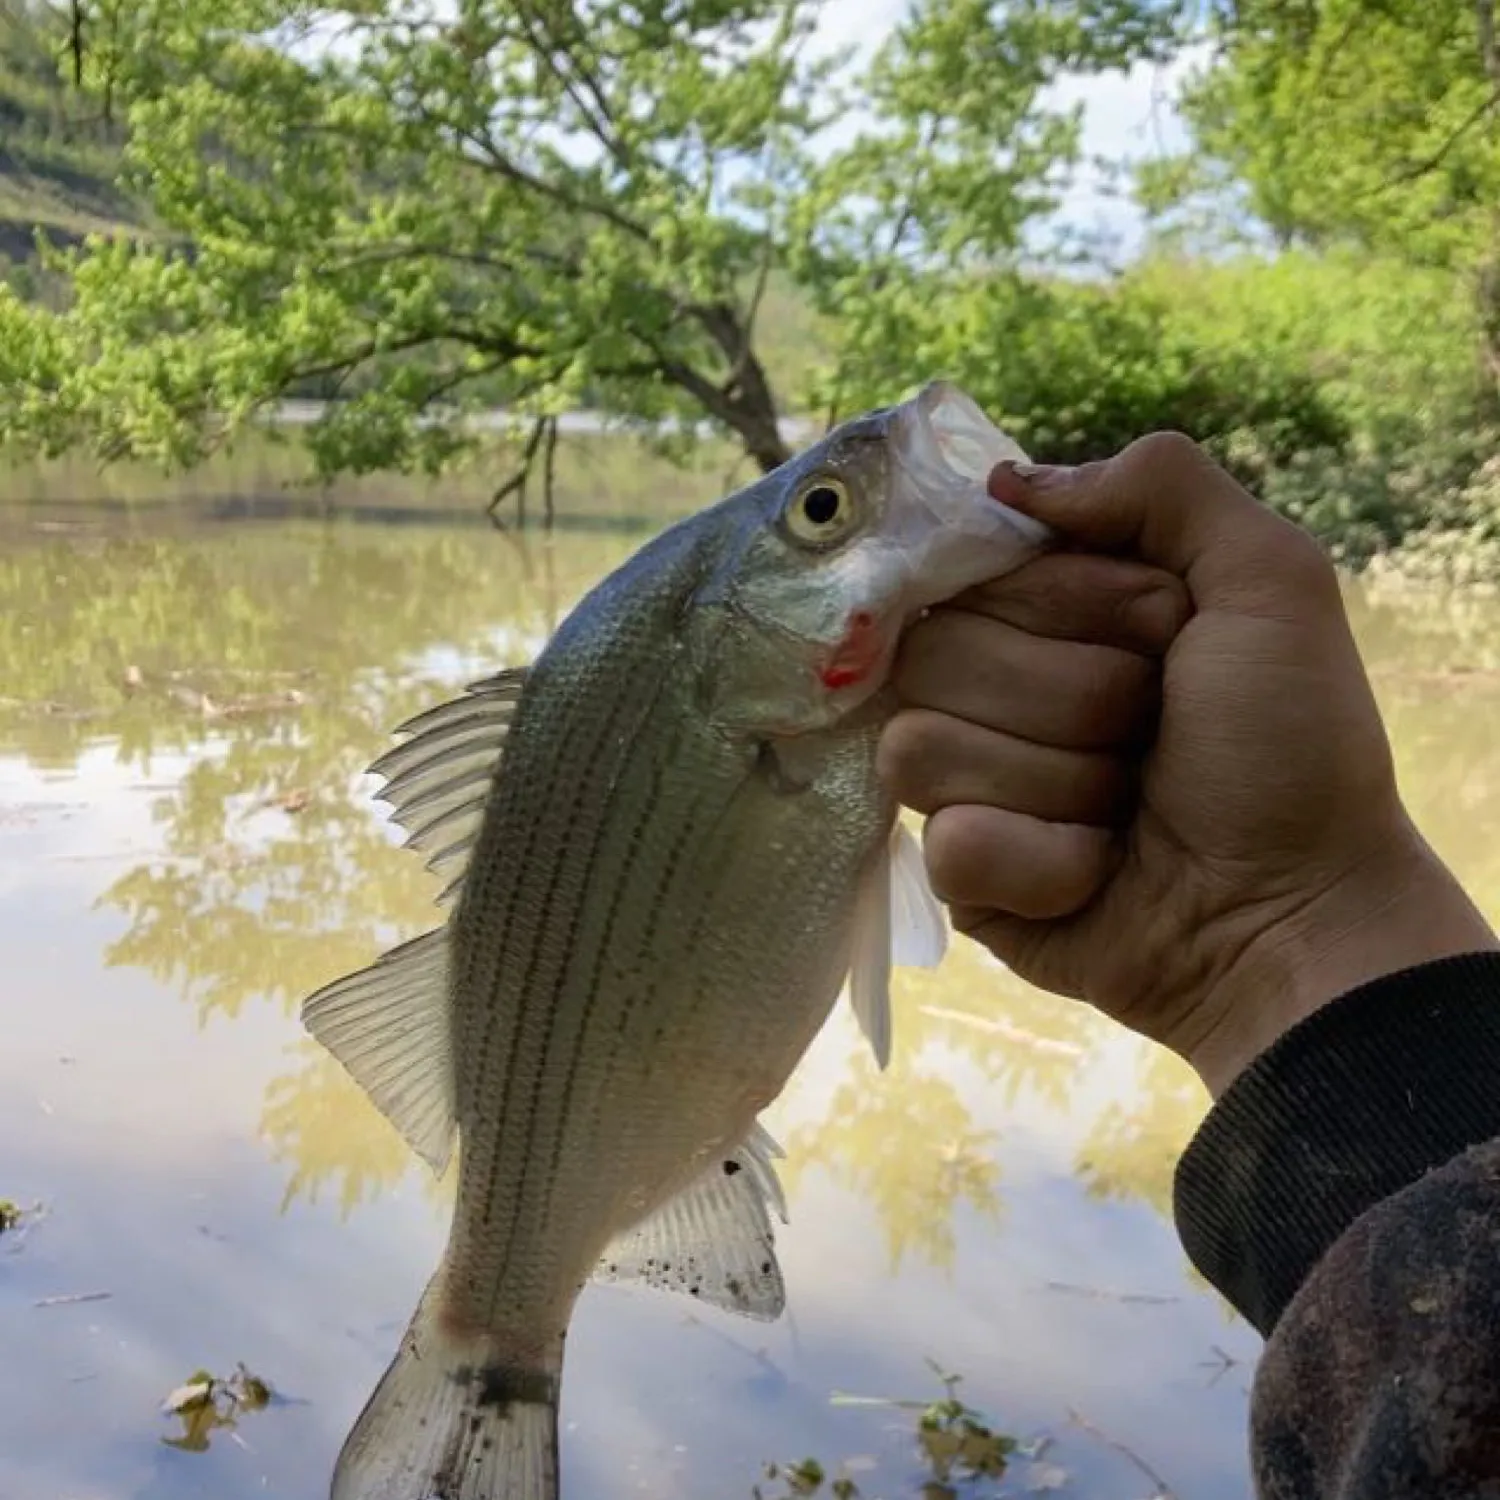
[57,157]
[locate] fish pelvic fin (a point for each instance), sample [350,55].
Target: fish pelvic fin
[447,1422]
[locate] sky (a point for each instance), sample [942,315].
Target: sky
[1125,114]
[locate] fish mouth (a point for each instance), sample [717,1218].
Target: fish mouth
[959,535]
[946,445]
[946,532]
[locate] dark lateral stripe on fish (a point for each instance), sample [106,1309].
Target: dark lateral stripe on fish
[505,1021]
[707,892]
[663,760]
[575,798]
[588,982]
[502,1022]
[553,961]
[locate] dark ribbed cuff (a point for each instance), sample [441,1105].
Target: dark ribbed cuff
[1348,1107]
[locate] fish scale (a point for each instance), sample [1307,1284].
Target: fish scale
[666,849]
[532,981]
[653,888]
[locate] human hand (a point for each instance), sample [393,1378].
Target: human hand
[1259,861]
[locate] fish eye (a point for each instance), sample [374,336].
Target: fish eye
[820,511]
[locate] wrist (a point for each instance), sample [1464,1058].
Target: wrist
[1399,908]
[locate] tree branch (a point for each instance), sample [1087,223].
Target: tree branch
[1435,159]
[757,294]
[503,350]
[516,483]
[598,116]
[493,159]
[1484,20]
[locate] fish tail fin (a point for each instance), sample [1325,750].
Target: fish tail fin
[446,1424]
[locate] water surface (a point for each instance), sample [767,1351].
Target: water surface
[187,847]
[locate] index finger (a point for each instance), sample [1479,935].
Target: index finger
[1164,501]
[1084,597]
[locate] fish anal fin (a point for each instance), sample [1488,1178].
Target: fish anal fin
[713,1241]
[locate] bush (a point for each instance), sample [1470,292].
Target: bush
[1078,370]
[1460,543]
[1343,390]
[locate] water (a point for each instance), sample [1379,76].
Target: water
[187,847]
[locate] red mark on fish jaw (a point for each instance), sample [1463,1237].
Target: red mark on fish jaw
[855,655]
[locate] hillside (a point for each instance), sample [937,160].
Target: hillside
[58,158]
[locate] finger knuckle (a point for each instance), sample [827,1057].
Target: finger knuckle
[1166,454]
[1301,563]
[957,859]
[910,754]
[924,661]
[1111,696]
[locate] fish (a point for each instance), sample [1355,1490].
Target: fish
[667,852]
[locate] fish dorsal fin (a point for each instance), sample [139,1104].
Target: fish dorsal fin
[438,780]
[388,1025]
[897,920]
[714,1240]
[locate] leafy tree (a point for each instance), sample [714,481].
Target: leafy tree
[1353,124]
[420,209]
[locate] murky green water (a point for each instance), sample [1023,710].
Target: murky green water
[187,847]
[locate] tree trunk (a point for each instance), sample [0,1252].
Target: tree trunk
[745,402]
[1487,302]
[75,41]
[765,445]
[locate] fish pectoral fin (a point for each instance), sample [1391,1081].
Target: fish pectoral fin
[388,1025]
[897,920]
[714,1240]
[438,781]
[919,930]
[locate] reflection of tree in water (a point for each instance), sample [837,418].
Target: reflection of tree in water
[1133,1143]
[905,1143]
[252,901]
[1435,660]
[320,1124]
[277,873]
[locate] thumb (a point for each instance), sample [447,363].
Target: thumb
[1164,501]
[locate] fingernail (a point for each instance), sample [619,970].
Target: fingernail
[1039,475]
[1029,476]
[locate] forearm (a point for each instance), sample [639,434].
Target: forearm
[1330,1198]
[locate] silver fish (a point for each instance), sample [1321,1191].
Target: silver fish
[666,849]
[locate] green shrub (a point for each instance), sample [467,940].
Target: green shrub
[1077,370]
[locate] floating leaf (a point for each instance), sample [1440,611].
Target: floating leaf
[198,1392]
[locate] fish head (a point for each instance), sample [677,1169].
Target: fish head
[847,544]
